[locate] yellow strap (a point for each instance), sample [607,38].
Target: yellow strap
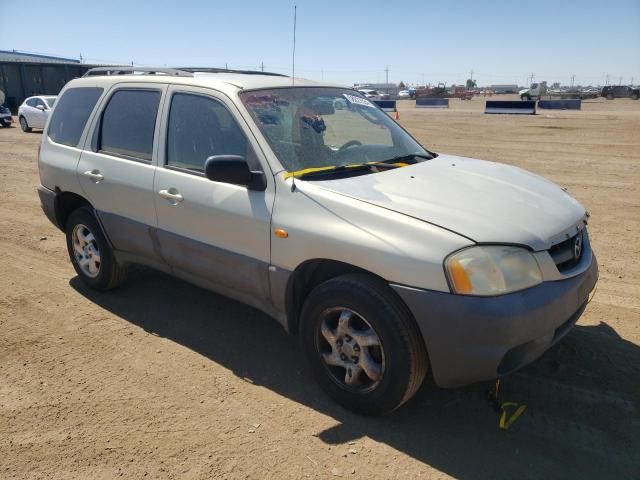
[297,173]
[505,422]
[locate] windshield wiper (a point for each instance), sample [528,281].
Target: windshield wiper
[409,156]
[355,167]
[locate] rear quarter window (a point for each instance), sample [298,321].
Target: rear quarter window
[71,114]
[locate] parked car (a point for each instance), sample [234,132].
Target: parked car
[372,95]
[340,104]
[620,91]
[5,114]
[386,259]
[34,111]
[404,94]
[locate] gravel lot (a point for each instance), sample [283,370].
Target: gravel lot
[160,379]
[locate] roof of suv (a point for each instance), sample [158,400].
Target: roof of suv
[224,81]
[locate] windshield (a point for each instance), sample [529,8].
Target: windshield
[50,101]
[310,127]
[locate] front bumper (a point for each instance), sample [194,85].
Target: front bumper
[471,339]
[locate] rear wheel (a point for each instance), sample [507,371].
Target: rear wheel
[609,96]
[362,344]
[634,96]
[24,125]
[90,253]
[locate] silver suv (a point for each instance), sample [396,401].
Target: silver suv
[385,258]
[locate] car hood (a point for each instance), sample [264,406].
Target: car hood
[484,201]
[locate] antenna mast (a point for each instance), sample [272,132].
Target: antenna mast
[293,66]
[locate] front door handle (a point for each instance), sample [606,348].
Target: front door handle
[172,195]
[94,175]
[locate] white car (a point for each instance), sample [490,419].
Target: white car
[385,258]
[404,94]
[372,95]
[34,111]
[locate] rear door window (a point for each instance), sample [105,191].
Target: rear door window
[71,114]
[128,123]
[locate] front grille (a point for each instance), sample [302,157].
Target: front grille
[564,253]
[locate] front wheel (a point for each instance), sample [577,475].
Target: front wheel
[610,96]
[24,125]
[634,96]
[362,344]
[90,253]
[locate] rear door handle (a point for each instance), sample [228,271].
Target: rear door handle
[94,175]
[172,195]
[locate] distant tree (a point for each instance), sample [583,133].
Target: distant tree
[471,83]
[401,85]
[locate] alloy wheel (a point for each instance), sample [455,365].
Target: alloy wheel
[351,349]
[86,251]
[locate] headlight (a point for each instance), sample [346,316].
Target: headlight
[492,270]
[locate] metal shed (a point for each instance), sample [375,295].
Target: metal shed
[25,74]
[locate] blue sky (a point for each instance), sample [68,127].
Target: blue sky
[344,42]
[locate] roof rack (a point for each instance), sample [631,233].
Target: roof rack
[128,69]
[226,70]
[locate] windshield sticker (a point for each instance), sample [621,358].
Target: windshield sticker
[358,100]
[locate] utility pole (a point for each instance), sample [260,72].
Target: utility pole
[531,77]
[386,71]
[226,67]
[471,76]
[573,78]
[81,62]
[631,84]
[293,56]
[620,80]
[262,67]
[606,81]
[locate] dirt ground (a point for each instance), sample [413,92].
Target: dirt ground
[160,379]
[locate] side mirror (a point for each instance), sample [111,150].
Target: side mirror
[40,107]
[233,169]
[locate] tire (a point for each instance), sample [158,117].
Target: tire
[609,96]
[24,125]
[525,97]
[368,306]
[634,96]
[102,274]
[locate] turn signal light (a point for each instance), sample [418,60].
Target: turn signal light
[459,278]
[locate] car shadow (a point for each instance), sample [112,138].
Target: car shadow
[582,397]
